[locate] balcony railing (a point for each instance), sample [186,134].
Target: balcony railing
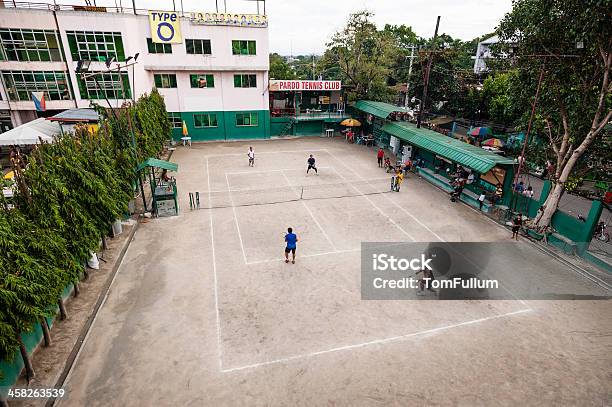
[308,114]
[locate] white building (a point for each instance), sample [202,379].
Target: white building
[214,77]
[483,52]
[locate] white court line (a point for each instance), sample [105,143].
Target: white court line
[372,203]
[214,261]
[267,171]
[266,152]
[325,253]
[235,217]
[374,342]
[305,256]
[311,215]
[390,200]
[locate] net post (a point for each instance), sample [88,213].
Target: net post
[301,193]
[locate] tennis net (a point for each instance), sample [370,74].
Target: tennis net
[269,196]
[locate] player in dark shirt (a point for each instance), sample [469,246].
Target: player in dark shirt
[311,164]
[291,244]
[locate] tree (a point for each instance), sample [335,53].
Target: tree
[569,45]
[362,54]
[279,69]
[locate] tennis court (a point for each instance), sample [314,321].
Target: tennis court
[205,311]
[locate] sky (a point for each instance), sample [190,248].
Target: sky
[304,26]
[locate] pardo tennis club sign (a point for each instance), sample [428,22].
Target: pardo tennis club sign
[280,85]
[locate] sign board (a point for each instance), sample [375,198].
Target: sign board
[239,20]
[165,27]
[166,207]
[280,85]
[94,9]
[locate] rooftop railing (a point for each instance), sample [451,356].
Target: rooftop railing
[120,9]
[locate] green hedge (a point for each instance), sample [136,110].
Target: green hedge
[67,195]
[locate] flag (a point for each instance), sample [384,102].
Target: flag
[185,131]
[39,101]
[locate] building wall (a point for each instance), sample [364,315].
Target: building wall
[135,30]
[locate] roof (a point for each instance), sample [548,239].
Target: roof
[76,115]
[381,110]
[30,133]
[450,148]
[154,162]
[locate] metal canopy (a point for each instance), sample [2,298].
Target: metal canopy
[154,162]
[379,109]
[450,148]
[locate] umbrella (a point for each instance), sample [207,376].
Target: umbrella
[480,131]
[350,123]
[493,142]
[9,175]
[185,131]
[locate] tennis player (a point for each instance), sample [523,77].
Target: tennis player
[291,244]
[311,165]
[251,155]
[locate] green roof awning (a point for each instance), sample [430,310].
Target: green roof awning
[154,162]
[379,109]
[450,148]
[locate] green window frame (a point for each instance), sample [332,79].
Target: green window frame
[21,84]
[202,80]
[175,120]
[249,119]
[198,46]
[158,48]
[109,85]
[202,120]
[165,80]
[244,47]
[29,45]
[245,81]
[95,45]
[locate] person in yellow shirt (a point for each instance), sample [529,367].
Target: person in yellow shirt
[399,178]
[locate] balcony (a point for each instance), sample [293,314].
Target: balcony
[310,114]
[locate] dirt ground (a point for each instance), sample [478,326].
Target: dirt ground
[204,311]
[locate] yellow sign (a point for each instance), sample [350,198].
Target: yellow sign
[240,20]
[165,27]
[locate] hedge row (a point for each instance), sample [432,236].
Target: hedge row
[66,196]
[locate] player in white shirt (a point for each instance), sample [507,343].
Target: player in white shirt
[251,155]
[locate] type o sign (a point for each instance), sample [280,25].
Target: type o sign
[165,27]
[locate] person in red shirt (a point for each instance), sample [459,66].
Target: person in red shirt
[379,157]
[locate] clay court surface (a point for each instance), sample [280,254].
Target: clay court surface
[204,311]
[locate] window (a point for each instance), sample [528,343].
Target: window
[165,80]
[29,45]
[246,119]
[240,47]
[202,80]
[21,84]
[158,48]
[204,120]
[95,45]
[198,46]
[245,81]
[109,84]
[175,120]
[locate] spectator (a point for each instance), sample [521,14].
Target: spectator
[481,199]
[379,157]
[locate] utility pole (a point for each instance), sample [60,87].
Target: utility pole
[313,67]
[412,48]
[428,70]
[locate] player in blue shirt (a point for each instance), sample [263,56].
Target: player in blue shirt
[291,240]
